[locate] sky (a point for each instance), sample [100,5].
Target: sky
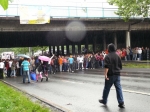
[96,8]
[88,3]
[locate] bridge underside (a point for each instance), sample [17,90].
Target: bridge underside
[14,34]
[57,38]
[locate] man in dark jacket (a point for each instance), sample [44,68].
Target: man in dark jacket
[113,65]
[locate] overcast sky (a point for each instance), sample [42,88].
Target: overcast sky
[88,3]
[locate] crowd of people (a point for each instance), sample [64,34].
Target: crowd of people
[67,63]
[136,53]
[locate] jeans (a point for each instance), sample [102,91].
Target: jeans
[102,63]
[80,66]
[87,63]
[50,69]
[13,73]
[134,56]
[26,74]
[65,67]
[21,70]
[140,56]
[60,68]
[92,65]
[70,67]
[115,79]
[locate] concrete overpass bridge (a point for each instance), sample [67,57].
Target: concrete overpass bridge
[99,31]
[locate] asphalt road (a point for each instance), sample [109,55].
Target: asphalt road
[80,91]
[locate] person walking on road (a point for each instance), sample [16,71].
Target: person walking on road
[112,65]
[25,64]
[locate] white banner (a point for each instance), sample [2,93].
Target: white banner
[34,14]
[7,55]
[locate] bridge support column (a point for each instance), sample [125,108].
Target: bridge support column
[104,42]
[58,50]
[79,48]
[115,40]
[128,42]
[86,44]
[73,49]
[94,44]
[62,50]
[67,48]
[53,49]
[50,50]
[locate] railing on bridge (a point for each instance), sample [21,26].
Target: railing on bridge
[88,11]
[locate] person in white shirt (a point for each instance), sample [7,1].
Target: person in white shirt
[139,53]
[9,69]
[80,60]
[1,69]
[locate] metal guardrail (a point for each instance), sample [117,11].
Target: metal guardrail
[65,11]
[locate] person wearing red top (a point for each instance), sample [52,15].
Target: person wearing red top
[64,64]
[102,60]
[124,54]
[7,67]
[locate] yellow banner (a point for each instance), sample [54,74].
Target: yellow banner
[34,15]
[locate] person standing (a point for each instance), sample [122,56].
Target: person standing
[112,65]
[13,69]
[32,64]
[9,69]
[1,69]
[25,65]
[49,64]
[60,61]
[93,60]
[70,61]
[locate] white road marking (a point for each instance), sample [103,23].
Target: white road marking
[72,82]
[136,92]
[129,91]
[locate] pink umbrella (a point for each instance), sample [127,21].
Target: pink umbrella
[44,58]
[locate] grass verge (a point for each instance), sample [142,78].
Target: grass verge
[136,65]
[12,100]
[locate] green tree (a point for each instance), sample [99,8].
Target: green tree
[131,8]
[25,50]
[4,4]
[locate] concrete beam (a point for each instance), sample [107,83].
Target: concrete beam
[13,25]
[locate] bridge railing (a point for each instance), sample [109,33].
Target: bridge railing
[65,11]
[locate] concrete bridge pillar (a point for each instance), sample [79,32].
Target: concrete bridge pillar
[53,49]
[50,50]
[67,48]
[79,48]
[73,48]
[94,44]
[62,49]
[128,41]
[86,44]
[104,42]
[115,40]
[58,50]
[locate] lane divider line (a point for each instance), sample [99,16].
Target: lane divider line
[129,91]
[71,82]
[136,92]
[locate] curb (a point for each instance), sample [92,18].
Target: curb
[53,105]
[122,71]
